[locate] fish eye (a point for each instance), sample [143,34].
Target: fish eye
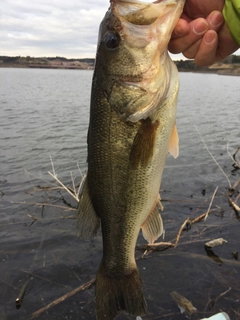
[111,40]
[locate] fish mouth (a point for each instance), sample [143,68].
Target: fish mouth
[143,12]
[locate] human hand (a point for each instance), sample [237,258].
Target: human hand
[201,33]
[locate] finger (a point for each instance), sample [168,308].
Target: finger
[191,51]
[197,28]
[182,28]
[215,20]
[206,54]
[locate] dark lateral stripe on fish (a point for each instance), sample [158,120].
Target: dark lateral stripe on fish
[143,144]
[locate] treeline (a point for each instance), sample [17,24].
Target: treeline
[20,59]
[189,65]
[232,61]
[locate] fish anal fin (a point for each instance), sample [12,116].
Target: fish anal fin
[174,142]
[118,293]
[88,222]
[152,228]
[143,144]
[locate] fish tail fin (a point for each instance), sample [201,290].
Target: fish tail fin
[115,294]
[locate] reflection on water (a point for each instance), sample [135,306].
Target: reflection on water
[44,113]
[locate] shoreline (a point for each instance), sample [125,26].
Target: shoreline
[221,72]
[229,66]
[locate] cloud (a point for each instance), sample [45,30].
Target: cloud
[50,28]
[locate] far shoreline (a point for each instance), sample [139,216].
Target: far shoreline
[229,66]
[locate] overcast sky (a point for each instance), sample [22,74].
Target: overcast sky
[51,27]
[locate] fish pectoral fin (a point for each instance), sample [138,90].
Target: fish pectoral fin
[88,222]
[152,228]
[174,142]
[144,143]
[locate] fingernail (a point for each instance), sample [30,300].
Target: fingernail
[200,26]
[216,18]
[209,36]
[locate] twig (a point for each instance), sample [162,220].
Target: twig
[62,298]
[236,184]
[233,158]
[236,200]
[19,299]
[158,244]
[34,219]
[212,302]
[222,294]
[170,244]
[229,183]
[235,312]
[73,184]
[210,204]
[199,218]
[38,177]
[188,221]
[81,185]
[233,204]
[64,187]
[54,173]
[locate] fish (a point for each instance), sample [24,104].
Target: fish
[132,127]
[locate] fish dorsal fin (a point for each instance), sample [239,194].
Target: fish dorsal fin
[174,142]
[152,228]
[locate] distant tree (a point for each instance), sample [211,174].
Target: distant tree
[235,59]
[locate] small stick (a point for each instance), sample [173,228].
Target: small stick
[222,294]
[181,230]
[236,184]
[236,200]
[210,204]
[158,244]
[19,299]
[32,217]
[73,184]
[236,165]
[170,244]
[235,312]
[63,298]
[233,204]
[234,157]
[64,187]
[52,166]
[81,184]
[202,216]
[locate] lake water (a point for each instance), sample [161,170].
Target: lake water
[43,114]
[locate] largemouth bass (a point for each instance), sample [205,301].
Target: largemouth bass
[131,130]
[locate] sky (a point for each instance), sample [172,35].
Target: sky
[50,28]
